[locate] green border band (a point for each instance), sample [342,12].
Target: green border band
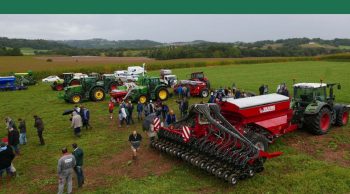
[175,6]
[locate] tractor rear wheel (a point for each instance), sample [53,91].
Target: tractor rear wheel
[258,140]
[59,87]
[320,123]
[75,98]
[342,117]
[204,93]
[97,94]
[162,94]
[74,82]
[143,99]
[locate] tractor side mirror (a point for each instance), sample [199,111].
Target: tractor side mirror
[339,87]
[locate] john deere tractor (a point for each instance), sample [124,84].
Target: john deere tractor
[316,110]
[148,88]
[90,89]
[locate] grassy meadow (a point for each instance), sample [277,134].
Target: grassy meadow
[310,164]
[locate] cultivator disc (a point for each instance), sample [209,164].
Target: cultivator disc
[206,140]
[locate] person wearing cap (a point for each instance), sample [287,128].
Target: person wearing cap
[170,118]
[39,125]
[65,171]
[135,141]
[79,156]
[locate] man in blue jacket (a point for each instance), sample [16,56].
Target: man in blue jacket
[79,156]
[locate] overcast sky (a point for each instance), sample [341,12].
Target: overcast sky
[171,28]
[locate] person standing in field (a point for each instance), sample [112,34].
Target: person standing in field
[6,157]
[76,123]
[79,156]
[10,123]
[130,108]
[139,109]
[13,139]
[22,131]
[65,171]
[85,116]
[170,118]
[110,109]
[135,141]
[39,125]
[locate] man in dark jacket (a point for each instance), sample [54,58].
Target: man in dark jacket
[130,108]
[135,141]
[85,116]
[6,157]
[79,156]
[39,125]
[13,138]
[139,110]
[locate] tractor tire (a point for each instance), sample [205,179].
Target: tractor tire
[59,87]
[204,93]
[113,86]
[320,123]
[342,117]
[143,99]
[97,94]
[74,82]
[258,140]
[75,98]
[162,94]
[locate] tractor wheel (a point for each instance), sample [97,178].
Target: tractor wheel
[74,82]
[342,117]
[143,99]
[97,94]
[258,140]
[162,94]
[59,87]
[204,93]
[113,86]
[75,98]
[320,123]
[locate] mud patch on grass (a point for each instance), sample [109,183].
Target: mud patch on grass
[327,147]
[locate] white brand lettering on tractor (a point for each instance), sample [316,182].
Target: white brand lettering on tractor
[267,109]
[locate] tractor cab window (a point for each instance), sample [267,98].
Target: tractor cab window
[202,120]
[310,94]
[198,76]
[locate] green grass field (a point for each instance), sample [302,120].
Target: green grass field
[310,164]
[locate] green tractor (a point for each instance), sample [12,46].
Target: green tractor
[25,79]
[316,110]
[90,89]
[68,80]
[148,88]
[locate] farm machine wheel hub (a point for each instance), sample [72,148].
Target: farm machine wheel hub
[143,99]
[260,146]
[325,121]
[99,95]
[163,94]
[76,99]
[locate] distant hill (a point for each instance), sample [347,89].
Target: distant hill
[105,44]
[38,44]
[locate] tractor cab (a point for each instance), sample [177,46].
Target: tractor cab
[67,77]
[199,76]
[306,93]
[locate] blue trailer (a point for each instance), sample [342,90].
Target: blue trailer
[9,83]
